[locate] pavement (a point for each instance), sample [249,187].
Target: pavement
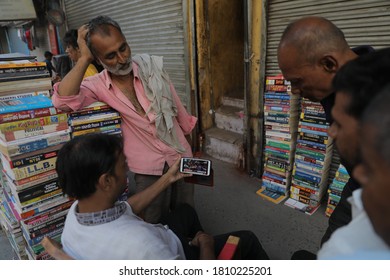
[232,204]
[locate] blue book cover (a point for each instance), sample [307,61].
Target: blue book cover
[25,103]
[313,131]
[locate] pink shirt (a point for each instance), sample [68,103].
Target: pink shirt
[145,153]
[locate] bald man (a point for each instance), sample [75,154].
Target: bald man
[310,53]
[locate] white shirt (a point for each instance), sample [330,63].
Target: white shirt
[126,238]
[357,240]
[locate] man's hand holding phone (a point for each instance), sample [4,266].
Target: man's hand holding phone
[196,166]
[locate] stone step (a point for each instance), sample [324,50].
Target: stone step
[224,145]
[235,102]
[230,118]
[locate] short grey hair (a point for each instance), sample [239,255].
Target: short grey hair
[100,25]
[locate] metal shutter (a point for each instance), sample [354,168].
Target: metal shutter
[155,27]
[364,22]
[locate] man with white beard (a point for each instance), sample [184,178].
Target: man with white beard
[154,121]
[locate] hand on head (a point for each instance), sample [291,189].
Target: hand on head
[81,41]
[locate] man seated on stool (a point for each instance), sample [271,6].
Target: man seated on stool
[93,169]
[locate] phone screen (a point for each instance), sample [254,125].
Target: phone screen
[195,166]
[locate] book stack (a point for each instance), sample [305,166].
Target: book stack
[23,76]
[281,114]
[95,118]
[336,188]
[11,225]
[31,133]
[313,157]
[28,155]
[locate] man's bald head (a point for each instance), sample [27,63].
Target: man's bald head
[313,36]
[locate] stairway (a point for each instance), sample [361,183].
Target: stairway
[225,141]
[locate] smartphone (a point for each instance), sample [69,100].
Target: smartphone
[195,166]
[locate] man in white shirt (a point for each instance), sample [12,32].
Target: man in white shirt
[93,169]
[357,84]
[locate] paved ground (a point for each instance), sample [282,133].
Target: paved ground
[232,204]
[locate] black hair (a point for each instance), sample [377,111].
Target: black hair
[70,39]
[82,161]
[377,115]
[48,54]
[362,79]
[100,24]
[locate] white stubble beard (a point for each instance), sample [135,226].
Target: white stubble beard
[117,70]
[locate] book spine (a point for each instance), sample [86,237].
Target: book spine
[34,123]
[276,177]
[34,180]
[277,96]
[24,104]
[45,205]
[22,65]
[312,145]
[34,169]
[276,88]
[307,153]
[28,114]
[49,226]
[24,86]
[275,80]
[105,129]
[313,131]
[42,222]
[34,131]
[282,166]
[306,177]
[38,239]
[32,159]
[24,78]
[41,198]
[313,138]
[273,180]
[90,111]
[14,70]
[37,144]
[95,118]
[96,124]
[309,159]
[37,191]
[300,198]
[55,212]
[298,189]
[271,186]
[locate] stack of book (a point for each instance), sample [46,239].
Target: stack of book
[11,225]
[95,118]
[313,157]
[336,188]
[28,155]
[31,133]
[23,76]
[281,114]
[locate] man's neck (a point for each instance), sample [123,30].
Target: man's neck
[90,205]
[121,79]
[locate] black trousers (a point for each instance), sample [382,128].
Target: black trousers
[184,222]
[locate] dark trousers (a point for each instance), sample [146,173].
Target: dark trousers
[184,222]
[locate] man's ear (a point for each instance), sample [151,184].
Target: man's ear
[105,182]
[329,64]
